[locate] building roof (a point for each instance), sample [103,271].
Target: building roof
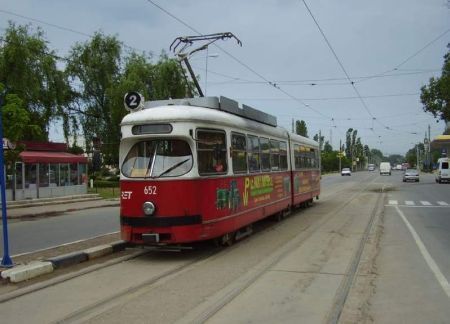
[44,146]
[51,157]
[441,141]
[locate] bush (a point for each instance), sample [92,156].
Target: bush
[106,184]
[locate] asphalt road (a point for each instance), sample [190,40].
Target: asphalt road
[292,270]
[41,233]
[414,259]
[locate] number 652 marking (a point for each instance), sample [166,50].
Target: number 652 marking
[150,190]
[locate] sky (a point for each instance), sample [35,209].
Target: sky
[334,64]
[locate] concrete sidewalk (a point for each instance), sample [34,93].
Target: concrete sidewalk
[55,206]
[52,207]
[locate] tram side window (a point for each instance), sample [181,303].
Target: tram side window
[212,152]
[283,156]
[265,153]
[275,155]
[313,158]
[253,153]
[239,153]
[297,157]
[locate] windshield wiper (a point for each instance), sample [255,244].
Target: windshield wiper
[173,167]
[151,163]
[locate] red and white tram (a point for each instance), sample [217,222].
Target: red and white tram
[204,168]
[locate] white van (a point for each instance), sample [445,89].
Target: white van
[385,168]
[442,172]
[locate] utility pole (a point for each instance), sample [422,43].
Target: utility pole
[430,163]
[331,137]
[417,153]
[293,130]
[6,260]
[320,150]
[340,154]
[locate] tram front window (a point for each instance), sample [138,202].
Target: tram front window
[158,158]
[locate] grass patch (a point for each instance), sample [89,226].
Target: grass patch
[106,193]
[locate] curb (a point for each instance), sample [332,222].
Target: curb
[37,268]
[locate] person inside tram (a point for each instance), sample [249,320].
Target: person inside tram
[218,166]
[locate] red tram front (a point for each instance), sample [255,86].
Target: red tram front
[205,168]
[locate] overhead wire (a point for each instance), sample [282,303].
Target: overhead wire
[275,84]
[409,57]
[341,65]
[71,30]
[337,98]
[267,81]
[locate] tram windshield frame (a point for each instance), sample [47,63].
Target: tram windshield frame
[158,158]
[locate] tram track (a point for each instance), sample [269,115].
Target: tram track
[90,311]
[203,314]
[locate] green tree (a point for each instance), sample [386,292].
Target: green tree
[106,76]
[320,141]
[436,95]
[168,80]
[411,155]
[15,121]
[96,65]
[348,142]
[300,128]
[327,147]
[28,70]
[396,159]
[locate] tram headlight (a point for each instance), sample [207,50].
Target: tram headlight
[148,208]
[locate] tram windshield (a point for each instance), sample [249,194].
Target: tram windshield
[158,158]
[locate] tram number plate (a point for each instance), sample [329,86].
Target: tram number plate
[150,238]
[150,190]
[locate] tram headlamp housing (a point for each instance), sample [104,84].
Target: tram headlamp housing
[148,208]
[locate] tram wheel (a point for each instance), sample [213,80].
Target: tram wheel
[225,240]
[278,217]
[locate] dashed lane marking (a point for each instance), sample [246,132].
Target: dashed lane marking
[420,204]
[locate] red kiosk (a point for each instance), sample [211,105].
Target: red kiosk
[47,170]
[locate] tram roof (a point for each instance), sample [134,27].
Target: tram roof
[222,111]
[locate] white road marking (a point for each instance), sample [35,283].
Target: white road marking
[393,202]
[442,203]
[426,255]
[409,203]
[425,203]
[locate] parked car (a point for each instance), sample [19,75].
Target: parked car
[443,172]
[346,172]
[411,175]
